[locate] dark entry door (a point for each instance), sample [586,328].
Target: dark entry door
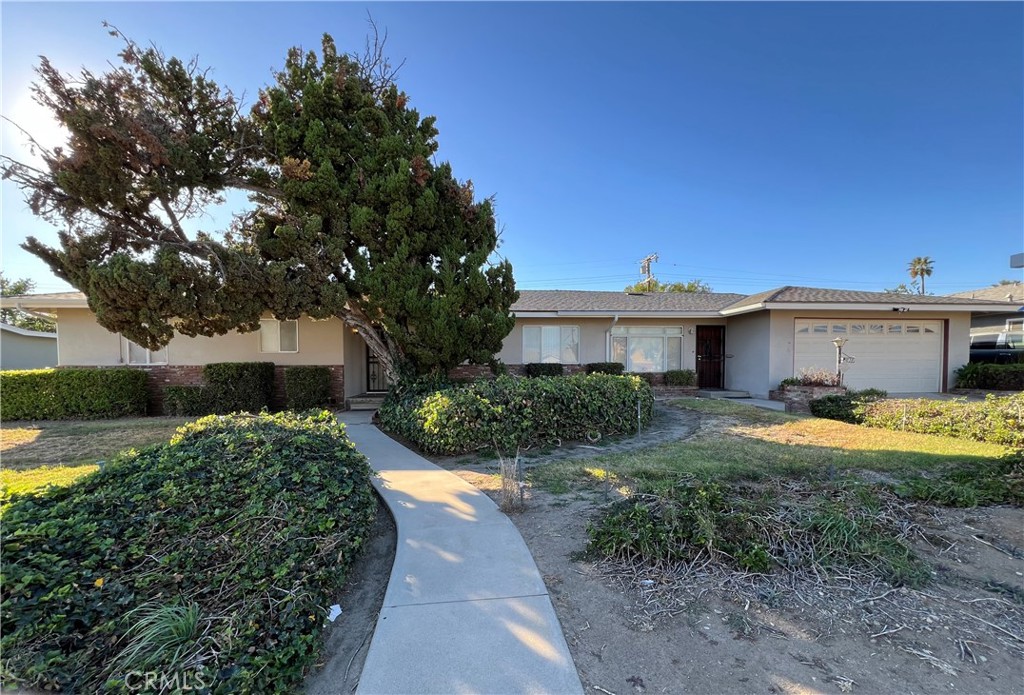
[710,357]
[375,378]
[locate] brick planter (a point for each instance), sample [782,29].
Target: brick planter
[798,398]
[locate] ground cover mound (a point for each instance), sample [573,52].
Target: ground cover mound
[205,563]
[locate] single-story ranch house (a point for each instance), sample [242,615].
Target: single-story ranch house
[901,343]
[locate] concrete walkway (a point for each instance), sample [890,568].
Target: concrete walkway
[465,610]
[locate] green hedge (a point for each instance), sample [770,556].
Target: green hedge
[680,377]
[246,523]
[57,394]
[187,400]
[998,377]
[535,369]
[239,386]
[307,387]
[511,411]
[999,420]
[846,407]
[605,368]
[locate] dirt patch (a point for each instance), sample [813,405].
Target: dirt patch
[708,631]
[348,638]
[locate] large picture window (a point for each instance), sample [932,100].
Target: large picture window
[552,344]
[647,348]
[279,336]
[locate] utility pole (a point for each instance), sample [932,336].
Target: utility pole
[645,268]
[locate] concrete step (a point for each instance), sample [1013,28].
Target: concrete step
[722,393]
[367,401]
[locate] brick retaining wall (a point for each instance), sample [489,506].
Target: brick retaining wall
[798,398]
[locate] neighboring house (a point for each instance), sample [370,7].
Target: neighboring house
[902,343]
[24,349]
[997,322]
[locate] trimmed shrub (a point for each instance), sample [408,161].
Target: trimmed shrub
[649,377]
[680,377]
[307,387]
[187,400]
[847,407]
[999,420]
[244,525]
[998,377]
[58,394]
[513,412]
[535,369]
[239,386]
[605,368]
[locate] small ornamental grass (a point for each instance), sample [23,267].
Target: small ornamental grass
[211,557]
[511,413]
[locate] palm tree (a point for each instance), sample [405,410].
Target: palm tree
[920,268]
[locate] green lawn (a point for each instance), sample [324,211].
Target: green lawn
[58,453]
[750,443]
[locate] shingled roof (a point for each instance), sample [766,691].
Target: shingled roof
[998,293]
[819,295]
[622,302]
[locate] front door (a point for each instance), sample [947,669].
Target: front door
[375,378]
[710,357]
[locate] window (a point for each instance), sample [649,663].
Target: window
[135,354]
[820,328]
[279,336]
[647,348]
[551,344]
[1015,324]
[911,328]
[895,328]
[876,328]
[839,328]
[857,328]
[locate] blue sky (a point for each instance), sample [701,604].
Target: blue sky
[749,144]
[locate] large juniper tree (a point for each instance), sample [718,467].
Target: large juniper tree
[350,216]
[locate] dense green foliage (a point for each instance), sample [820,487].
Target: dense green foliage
[239,386]
[836,525]
[998,377]
[510,412]
[307,387]
[187,400]
[605,368]
[59,394]
[544,369]
[680,377]
[211,557]
[14,317]
[847,407]
[1000,481]
[999,420]
[657,286]
[351,215]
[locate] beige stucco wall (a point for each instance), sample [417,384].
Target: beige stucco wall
[783,324]
[27,351]
[746,339]
[594,336]
[83,342]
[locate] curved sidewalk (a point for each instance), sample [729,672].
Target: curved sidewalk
[465,610]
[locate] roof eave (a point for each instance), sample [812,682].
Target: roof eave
[889,306]
[604,313]
[42,303]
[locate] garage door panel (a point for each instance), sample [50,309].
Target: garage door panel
[898,356]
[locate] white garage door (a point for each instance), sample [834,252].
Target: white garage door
[898,356]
